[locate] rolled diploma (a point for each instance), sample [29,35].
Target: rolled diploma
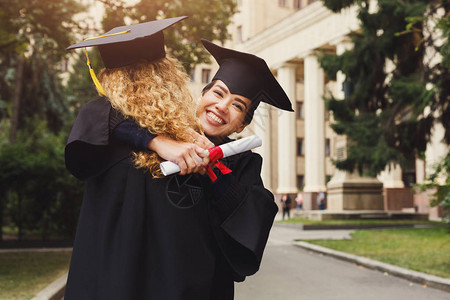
[228,149]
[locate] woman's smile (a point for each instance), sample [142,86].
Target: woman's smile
[215,118]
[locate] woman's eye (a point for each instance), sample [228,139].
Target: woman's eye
[239,107]
[218,93]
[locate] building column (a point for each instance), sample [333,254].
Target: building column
[287,175]
[314,126]
[262,128]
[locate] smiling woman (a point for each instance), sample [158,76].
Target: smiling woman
[227,103]
[240,208]
[220,112]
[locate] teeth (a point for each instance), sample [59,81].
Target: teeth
[215,118]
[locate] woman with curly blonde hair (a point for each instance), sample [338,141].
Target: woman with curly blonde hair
[133,225]
[155,96]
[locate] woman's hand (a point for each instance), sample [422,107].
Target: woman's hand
[190,157]
[201,140]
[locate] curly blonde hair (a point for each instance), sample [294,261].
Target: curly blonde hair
[155,95]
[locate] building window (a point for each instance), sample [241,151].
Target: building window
[300,147]
[282,3]
[206,73]
[299,110]
[239,34]
[340,153]
[300,182]
[297,4]
[327,147]
[409,173]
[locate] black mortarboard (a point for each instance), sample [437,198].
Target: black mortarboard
[248,75]
[124,45]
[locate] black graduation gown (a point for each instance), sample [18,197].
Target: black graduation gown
[168,238]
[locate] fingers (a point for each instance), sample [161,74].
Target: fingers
[183,166]
[192,159]
[201,140]
[203,154]
[189,157]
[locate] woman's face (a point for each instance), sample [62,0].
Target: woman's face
[220,112]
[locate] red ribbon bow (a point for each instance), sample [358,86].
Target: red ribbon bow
[215,154]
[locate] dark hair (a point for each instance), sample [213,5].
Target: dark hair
[251,110]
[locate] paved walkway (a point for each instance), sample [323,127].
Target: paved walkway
[299,270]
[289,272]
[289,234]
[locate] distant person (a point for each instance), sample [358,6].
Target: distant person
[299,201]
[321,200]
[286,205]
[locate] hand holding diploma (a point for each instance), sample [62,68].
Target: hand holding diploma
[218,152]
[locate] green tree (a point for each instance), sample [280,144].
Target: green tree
[383,112]
[33,37]
[389,114]
[42,196]
[441,195]
[439,75]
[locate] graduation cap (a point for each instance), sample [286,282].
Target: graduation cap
[248,75]
[125,45]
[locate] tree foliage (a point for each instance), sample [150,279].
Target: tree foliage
[393,94]
[36,190]
[33,37]
[441,195]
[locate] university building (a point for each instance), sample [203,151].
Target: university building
[298,147]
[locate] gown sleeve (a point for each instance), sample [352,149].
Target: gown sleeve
[243,216]
[90,150]
[131,133]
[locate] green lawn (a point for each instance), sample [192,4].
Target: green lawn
[24,274]
[358,222]
[425,250]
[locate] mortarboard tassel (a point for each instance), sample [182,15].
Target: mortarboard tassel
[91,70]
[94,78]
